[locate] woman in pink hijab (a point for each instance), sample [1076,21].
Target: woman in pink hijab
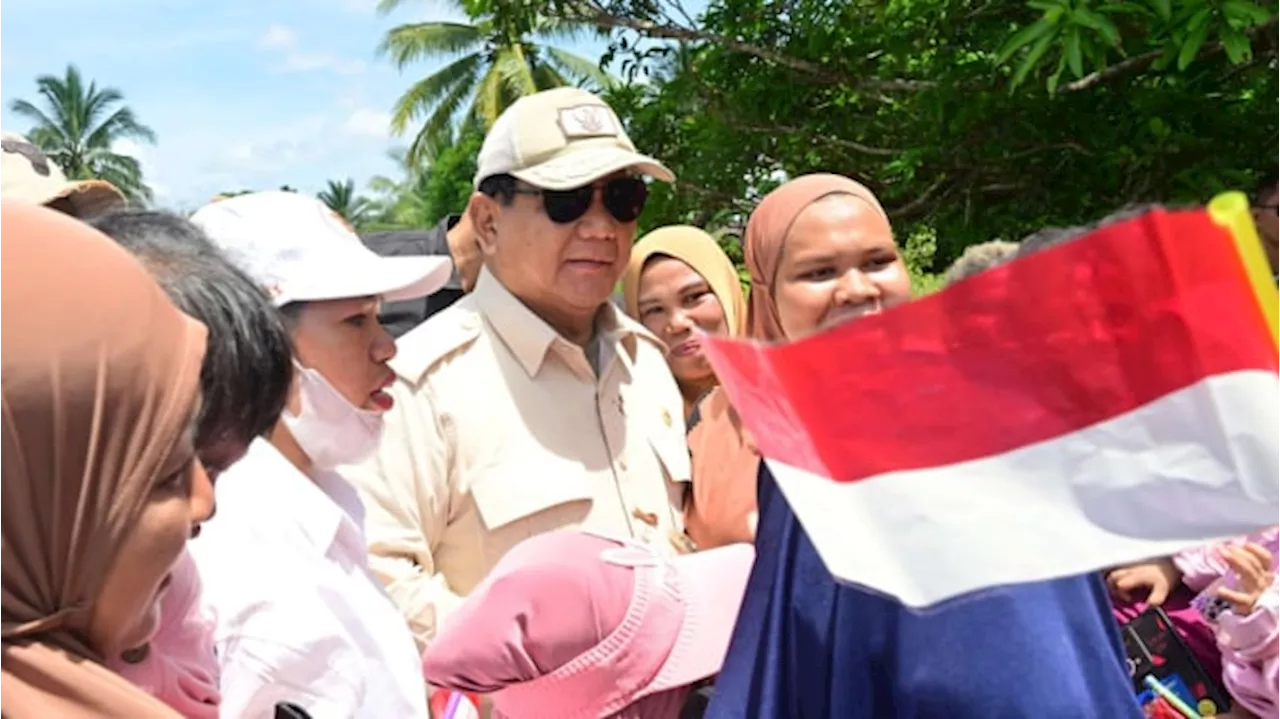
[821,253]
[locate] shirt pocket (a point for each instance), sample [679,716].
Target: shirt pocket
[522,499]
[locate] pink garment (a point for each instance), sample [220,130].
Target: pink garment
[571,625]
[1249,655]
[1248,644]
[179,667]
[1202,565]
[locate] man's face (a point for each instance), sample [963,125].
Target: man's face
[561,270]
[1268,223]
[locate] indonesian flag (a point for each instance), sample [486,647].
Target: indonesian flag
[1104,401]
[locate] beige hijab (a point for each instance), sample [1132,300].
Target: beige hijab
[698,250]
[100,375]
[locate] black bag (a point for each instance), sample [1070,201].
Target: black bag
[695,705]
[285,710]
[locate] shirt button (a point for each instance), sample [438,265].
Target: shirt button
[622,465]
[136,655]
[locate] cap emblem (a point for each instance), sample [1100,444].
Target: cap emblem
[588,121]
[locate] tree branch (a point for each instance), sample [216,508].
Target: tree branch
[589,11]
[1140,62]
[837,141]
[915,205]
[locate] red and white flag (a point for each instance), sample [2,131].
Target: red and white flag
[1104,401]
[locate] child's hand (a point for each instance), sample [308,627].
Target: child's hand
[1157,578]
[1252,565]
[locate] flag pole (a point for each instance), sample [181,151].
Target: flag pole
[1231,211]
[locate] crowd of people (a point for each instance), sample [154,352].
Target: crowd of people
[485,469]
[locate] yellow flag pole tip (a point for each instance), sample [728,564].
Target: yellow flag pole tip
[1231,211]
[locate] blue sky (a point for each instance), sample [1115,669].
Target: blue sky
[246,94]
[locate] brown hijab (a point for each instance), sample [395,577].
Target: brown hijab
[767,230]
[722,508]
[100,375]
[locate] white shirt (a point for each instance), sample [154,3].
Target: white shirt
[299,617]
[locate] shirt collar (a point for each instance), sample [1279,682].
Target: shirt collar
[529,337]
[272,481]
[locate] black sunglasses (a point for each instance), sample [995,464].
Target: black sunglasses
[623,197]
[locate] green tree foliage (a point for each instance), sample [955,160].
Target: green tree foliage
[78,126]
[450,177]
[970,119]
[341,197]
[504,53]
[430,190]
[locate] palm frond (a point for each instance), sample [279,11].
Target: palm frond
[120,124]
[26,110]
[126,174]
[568,30]
[548,77]
[512,65]
[437,133]
[426,93]
[488,103]
[580,68]
[408,43]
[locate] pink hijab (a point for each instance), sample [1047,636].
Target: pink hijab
[767,232]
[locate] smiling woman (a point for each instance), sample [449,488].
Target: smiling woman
[679,279]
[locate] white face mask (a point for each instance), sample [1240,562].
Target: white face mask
[327,427]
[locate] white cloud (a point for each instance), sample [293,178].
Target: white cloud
[279,37]
[285,40]
[366,122]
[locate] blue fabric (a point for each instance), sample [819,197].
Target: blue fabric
[806,647]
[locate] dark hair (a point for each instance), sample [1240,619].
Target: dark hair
[500,187]
[1051,236]
[290,313]
[247,366]
[1267,189]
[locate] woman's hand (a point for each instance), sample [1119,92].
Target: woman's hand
[1252,565]
[1156,578]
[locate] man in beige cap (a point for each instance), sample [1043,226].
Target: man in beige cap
[533,403]
[28,175]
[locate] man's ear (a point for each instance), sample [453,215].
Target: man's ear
[483,212]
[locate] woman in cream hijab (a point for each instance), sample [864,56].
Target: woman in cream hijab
[678,280]
[101,487]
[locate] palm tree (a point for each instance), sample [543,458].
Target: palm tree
[399,202]
[500,62]
[341,198]
[78,127]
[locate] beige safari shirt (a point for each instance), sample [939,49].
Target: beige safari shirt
[501,430]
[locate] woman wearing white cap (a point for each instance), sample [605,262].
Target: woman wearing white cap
[299,617]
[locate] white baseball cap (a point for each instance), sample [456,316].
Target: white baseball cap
[299,250]
[561,139]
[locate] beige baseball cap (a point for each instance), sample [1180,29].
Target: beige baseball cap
[561,139]
[28,175]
